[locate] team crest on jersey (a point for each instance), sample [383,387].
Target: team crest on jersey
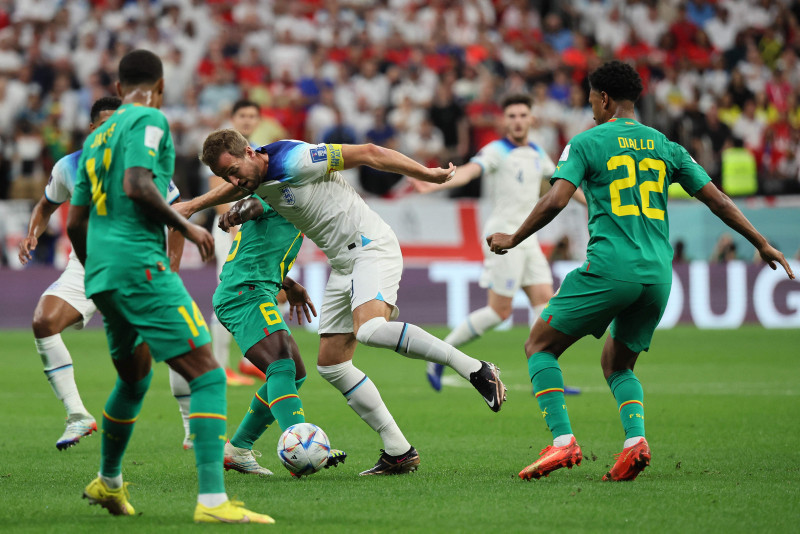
[318,154]
[288,196]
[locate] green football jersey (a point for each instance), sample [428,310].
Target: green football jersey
[625,169]
[123,244]
[261,255]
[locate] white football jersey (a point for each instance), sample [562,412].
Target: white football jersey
[304,187]
[62,183]
[512,179]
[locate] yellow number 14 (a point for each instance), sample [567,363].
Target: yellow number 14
[198,322]
[647,164]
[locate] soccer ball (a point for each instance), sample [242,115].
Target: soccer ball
[304,449]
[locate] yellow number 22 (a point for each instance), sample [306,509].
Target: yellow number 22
[645,188]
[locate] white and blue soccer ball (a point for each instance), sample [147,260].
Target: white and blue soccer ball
[304,449]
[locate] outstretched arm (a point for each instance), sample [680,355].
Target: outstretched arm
[545,211]
[386,159]
[138,185]
[38,224]
[723,207]
[222,194]
[464,174]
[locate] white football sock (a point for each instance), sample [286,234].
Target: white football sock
[563,440]
[58,369]
[212,500]
[475,325]
[412,341]
[221,340]
[183,394]
[363,397]
[630,442]
[111,482]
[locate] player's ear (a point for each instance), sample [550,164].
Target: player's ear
[160,86]
[119,90]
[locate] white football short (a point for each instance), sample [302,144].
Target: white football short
[375,274]
[520,267]
[70,288]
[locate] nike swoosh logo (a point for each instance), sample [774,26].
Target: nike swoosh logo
[542,460]
[491,404]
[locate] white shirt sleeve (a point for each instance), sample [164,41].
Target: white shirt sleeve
[548,167]
[306,163]
[173,193]
[488,158]
[57,190]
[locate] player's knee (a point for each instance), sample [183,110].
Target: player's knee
[530,347]
[502,310]
[368,329]
[45,325]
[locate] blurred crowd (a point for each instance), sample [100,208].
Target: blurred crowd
[425,77]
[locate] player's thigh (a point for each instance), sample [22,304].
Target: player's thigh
[503,273]
[376,275]
[335,314]
[250,318]
[165,316]
[634,326]
[586,304]
[53,315]
[70,288]
[121,335]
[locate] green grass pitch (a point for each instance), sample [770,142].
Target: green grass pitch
[722,420]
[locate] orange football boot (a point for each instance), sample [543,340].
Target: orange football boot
[235,379]
[552,458]
[630,462]
[246,367]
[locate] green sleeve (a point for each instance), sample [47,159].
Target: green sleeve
[689,173]
[82,192]
[571,165]
[148,135]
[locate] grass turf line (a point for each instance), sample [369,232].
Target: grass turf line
[721,410]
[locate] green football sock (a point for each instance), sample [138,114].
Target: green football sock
[284,402]
[257,419]
[207,426]
[120,413]
[548,387]
[628,392]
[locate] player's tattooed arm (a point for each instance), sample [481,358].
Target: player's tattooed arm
[723,207]
[386,159]
[299,301]
[77,226]
[545,211]
[38,224]
[222,194]
[241,212]
[139,187]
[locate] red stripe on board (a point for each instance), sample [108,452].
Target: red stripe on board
[468,249]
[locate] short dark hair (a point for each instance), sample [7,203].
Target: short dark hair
[107,103]
[618,80]
[221,141]
[518,98]
[140,67]
[244,103]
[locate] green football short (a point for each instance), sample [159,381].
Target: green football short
[159,312]
[250,316]
[587,304]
